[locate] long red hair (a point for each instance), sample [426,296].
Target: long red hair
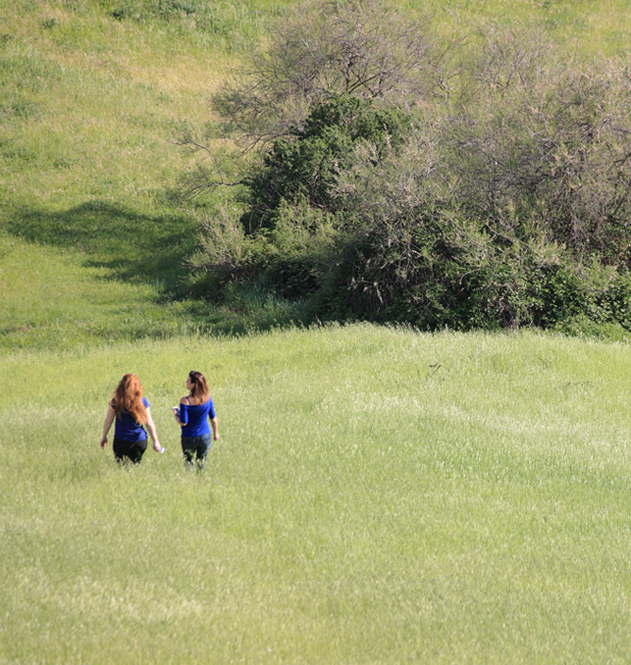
[128,397]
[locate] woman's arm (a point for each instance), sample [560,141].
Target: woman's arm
[214,423]
[109,419]
[152,432]
[184,400]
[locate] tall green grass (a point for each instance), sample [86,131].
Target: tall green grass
[50,300]
[377,496]
[583,25]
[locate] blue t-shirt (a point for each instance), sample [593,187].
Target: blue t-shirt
[195,418]
[127,429]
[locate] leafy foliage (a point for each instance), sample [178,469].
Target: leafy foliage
[498,200]
[306,165]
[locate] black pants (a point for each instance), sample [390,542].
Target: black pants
[129,450]
[196,446]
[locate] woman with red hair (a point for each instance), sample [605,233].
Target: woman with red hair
[131,412]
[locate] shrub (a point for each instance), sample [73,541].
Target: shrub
[306,165]
[547,145]
[361,48]
[503,202]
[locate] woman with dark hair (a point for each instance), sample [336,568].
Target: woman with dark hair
[131,411]
[195,412]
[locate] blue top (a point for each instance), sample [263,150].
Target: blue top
[195,418]
[128,429]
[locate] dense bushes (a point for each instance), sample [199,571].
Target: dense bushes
[497,193]
[306,165]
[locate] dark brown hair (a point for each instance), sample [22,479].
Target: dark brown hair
[199,390]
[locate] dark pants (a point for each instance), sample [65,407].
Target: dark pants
[129,450]
[198,447]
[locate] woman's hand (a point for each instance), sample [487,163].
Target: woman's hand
[157,447]
[109,419]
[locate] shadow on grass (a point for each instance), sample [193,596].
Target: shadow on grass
[134,246]
[140,247]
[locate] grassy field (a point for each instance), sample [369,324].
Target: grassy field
[377,496]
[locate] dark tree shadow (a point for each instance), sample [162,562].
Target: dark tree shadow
[137,247]
[133,246]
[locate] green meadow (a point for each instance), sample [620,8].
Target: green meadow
[377,495]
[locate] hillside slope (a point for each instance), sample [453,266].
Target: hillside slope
[90,96]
